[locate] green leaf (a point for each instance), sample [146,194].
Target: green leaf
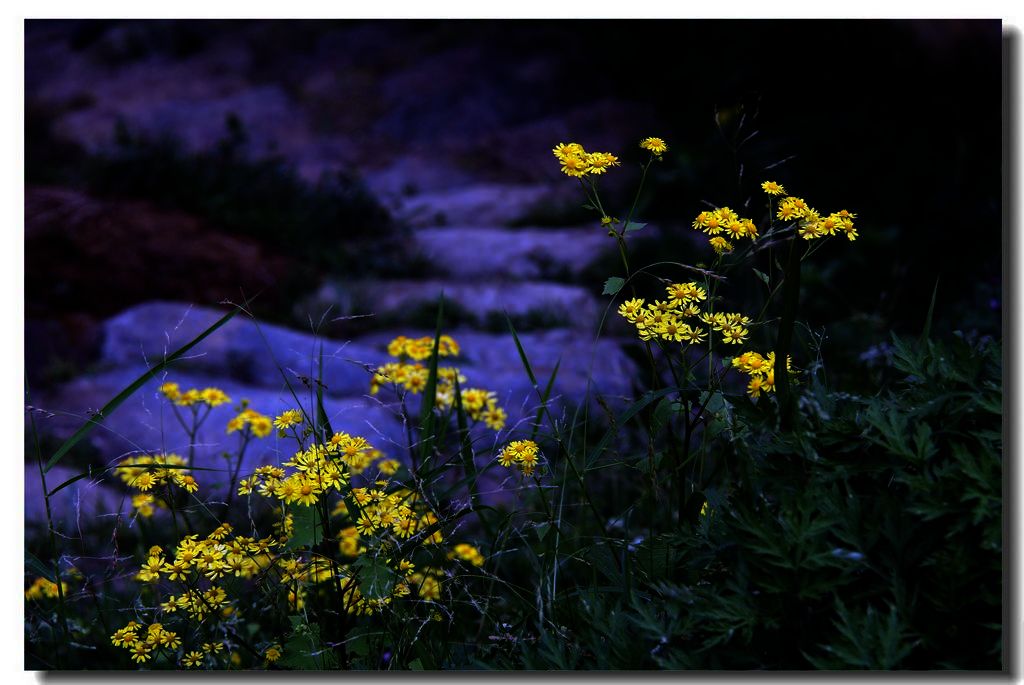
[304,651]
[376,580]
[662,413]
[589,206]
[358,642]
[632,226]
[305,527]
[542,530]
[763,276]
[119,399]
[613,285]
[625,416]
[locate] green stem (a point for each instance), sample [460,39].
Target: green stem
[790,305]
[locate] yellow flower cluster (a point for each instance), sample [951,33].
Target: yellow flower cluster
[146,472]
[724,223]
[142,646]
[577,162]
[421,348]
[399,512]
[523,453]
[731,325]
[212,558]
[429,584]
[479,405]
[208,396]
[317,470]
[251,420]
[811,225]
[375,521]
[664,319]
[145,504]
[761,371]
[467,552]
[41,587]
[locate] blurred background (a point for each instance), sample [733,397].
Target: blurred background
[338,175]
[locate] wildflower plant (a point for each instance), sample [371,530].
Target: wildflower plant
[710,523]
[692,339]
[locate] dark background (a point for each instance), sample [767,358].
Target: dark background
[897,121]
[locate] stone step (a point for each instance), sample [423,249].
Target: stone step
[491,204]
[530,304]
[249,353]
[489,253]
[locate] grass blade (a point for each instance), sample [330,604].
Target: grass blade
[522,352]
[544,401]
[428,426]
[931,310]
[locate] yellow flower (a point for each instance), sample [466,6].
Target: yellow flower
[143,504]
[787,212]
[214,396]
[145,481]
[773,188]
[575,166]
[170,391]
[494,416]
[720,244]
[430,589]
[261,426]
[388,467]
[273,653]
[192,659]
[563,150]
[655,145]
[185,481]
[736,228]
[289,418]
[631,309]
[600,162]
[734,335]
[141,651]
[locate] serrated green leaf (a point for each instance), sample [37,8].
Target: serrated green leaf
[613,285]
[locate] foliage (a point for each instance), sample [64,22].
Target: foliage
[772,523]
